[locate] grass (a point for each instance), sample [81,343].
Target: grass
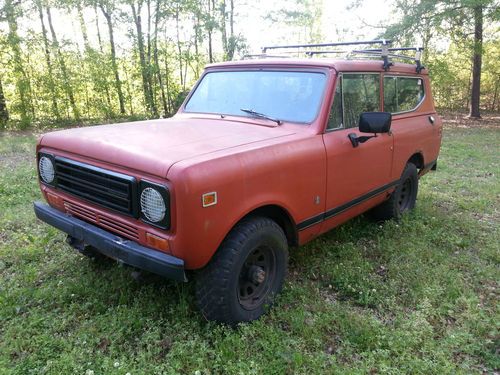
[418,296]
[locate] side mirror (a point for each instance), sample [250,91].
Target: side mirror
[375,122]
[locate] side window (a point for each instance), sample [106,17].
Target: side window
[361,93]
[410,93]
[335,117]
[402,94]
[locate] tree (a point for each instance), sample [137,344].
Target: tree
[144,63]
[302,17]
[456,20]
[10,11]
[477,62]
[62,65]
[4,113]
[107,11]
[48,60]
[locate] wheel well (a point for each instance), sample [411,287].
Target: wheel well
[417,159]
[282,218]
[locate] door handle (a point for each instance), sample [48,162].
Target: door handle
[432,120]
[355,140]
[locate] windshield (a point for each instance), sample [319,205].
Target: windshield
[281,95]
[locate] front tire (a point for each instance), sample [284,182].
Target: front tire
[247,272]
[402,200]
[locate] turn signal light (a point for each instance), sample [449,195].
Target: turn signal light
[157,242]
[53,200]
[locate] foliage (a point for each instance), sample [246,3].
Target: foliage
[137,57]
[453,24]
[418,297]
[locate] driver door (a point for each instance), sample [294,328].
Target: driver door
[357,177]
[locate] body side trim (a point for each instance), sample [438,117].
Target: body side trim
[344,207]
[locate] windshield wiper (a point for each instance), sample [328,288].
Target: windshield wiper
[261,115]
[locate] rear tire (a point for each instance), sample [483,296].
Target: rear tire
[245,274]
[403,198]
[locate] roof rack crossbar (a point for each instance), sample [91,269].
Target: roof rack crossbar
[318,45]
[262,56]
[416,58]
[312,53]
[374,53]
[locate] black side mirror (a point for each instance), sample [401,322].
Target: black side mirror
[375,122]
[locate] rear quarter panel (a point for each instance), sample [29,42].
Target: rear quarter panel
[413,133]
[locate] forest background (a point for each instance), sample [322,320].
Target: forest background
[74,62]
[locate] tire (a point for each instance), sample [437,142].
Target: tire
[403,198]
[245,274]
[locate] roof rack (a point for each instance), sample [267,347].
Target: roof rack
[384,51]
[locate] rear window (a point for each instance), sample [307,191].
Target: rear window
[402,94]
[284,95]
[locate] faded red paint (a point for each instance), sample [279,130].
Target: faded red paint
[250,163]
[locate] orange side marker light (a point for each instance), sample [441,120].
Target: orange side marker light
[209,199]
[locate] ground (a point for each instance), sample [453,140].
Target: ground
[418,296]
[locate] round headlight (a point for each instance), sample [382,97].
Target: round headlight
[46,169]
[152,205]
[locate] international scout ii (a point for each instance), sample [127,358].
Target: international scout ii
[265,154]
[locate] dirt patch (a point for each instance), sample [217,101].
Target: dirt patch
[461,120]
[11,161]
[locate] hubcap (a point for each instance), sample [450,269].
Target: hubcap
[256,277]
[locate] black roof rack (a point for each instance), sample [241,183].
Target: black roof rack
[384,51]
[336,44]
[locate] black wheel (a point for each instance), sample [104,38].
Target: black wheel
[247,272]
[402,199]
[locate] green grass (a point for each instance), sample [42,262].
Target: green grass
[418,296]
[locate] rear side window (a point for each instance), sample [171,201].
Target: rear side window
[402,94]
[355,93]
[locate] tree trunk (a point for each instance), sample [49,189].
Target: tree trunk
[156,60]
[98,77]
[211,6]
[232,40]
[179,48]
[22,82]
[477,61]
[83,26]
[67,84]
[495,95]
[98,30]
[114,65]
[48,60]
[145,71]
[4,113]
[223,29]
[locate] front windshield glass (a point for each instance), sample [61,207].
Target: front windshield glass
[281,95]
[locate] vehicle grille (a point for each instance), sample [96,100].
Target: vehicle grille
[106,188]
[121,228]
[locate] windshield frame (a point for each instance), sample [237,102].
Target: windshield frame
[268,68]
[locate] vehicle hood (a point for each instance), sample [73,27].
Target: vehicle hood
[154,146]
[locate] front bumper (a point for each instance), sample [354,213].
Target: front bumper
[126,251]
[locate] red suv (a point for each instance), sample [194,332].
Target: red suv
[265,154]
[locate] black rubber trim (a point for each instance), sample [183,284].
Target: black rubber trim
[431,166]
[113,246]
[342,208]
[311,221]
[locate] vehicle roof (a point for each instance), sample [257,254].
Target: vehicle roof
[338,65]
